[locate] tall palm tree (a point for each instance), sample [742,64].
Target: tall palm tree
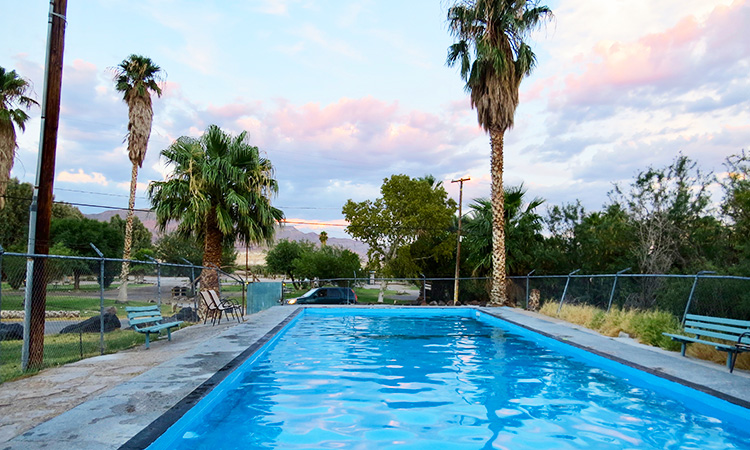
[13,101]
[493,59]
[136,77]
[323,238]
[220,191]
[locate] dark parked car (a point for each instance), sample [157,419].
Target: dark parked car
[326,296]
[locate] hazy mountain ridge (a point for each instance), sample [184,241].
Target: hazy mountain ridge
[282,232]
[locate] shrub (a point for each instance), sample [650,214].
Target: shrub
[649,326]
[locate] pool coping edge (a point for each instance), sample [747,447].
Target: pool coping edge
[155,429]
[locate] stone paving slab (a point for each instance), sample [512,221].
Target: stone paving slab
[112,416]
[706,376]
[135,397]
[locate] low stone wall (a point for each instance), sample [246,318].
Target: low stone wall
[47,314]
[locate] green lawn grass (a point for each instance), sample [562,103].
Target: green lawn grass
[83,287]
[62,349]
[87,306]
[365,296]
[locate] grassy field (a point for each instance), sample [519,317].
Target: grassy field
[62,349]
[646,326]
[83,287]
[365,296]
[87,306]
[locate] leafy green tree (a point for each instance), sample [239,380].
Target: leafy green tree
[77,235]
[281,258]
[220,191]
[140,235]
[136,77]
[14,218]
[667,205]
[736,208]
[327,263]
[58,268]
[408,208]
[432,255]
[140,270]
[595,242]
[493,57]
[13,105]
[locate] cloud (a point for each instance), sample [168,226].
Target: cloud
[81,177]
[691,55]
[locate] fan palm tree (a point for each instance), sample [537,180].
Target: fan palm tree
[136,77]
[323,238]
[13,101]
[523,226]
[220,191]
[493,59]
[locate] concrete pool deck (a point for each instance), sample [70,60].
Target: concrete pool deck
[107,402]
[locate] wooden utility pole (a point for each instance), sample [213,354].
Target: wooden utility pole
[458,244]
[45,178]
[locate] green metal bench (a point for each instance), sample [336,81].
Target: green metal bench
[147,320]
[736,332]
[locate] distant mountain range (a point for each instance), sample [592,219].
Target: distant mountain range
[257,253]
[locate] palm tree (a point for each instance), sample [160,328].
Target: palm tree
[136,77]
[13,91]
[323,238]
[494,58]
[220,191]
[522,225]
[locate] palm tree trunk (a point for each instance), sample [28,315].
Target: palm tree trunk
[7,154]
[122,295]
[211,252]
[498,295]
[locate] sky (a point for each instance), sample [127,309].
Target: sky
[340,95]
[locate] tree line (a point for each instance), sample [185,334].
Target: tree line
[663,222]
[71,234]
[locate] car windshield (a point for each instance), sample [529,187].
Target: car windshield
[309,293]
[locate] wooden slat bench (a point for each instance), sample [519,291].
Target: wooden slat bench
[735,332]
[148,319]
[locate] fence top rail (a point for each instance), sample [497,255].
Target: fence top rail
[629,275]
[96,258]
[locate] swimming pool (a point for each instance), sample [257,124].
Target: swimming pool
[444,379]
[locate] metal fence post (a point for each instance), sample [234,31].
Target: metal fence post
[614,284]
[692,291]
[192,276]
[101,298]
[158,280]
[526,305]
[562,299]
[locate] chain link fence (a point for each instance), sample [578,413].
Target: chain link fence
[83,314]
[704,293]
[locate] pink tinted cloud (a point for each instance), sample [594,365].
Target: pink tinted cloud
[534,91]
[234,110]
[345,117]
[681,54]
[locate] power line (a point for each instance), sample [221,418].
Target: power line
[106,194]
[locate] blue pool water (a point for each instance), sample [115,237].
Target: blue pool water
[353,379]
